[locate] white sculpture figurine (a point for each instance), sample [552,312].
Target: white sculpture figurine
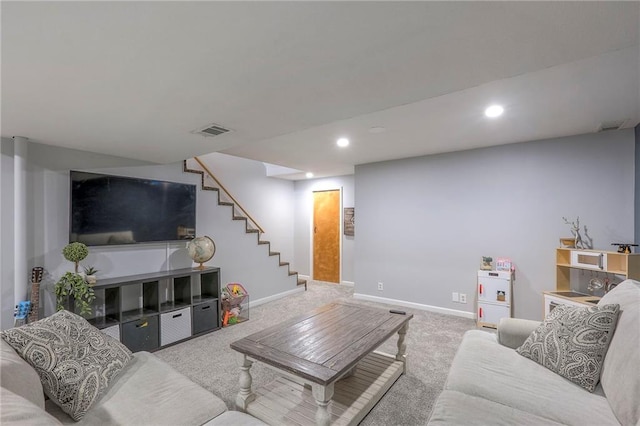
[575,231]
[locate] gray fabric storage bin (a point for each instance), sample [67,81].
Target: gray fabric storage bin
[142,334]
[205,317]
[175,325]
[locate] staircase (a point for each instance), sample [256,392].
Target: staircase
[209,182]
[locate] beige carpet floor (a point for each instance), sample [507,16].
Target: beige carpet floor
[432,341]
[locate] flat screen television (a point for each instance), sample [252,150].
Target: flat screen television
[113,210]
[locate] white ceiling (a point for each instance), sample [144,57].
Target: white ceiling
[134,79]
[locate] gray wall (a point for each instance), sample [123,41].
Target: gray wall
[424,223]
[303,215]
[238,255]
[637,183]
[7,272]
[268,200]
[46,185]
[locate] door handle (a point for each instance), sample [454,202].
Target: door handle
[315,229]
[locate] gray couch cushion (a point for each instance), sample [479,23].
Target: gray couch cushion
[459,409]
[621,370]
[573,341]
[513,332]
[18,376]
[17,410]
[150,392]
[485,369]
[75,361]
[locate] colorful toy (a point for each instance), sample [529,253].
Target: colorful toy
[233,295]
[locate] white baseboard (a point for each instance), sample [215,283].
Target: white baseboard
[347,283]
[446,311]
[254,303]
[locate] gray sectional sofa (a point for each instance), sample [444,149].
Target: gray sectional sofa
[491,384]
[147,392]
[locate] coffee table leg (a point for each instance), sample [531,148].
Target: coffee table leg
[245,396]
[402,347]
[322,395]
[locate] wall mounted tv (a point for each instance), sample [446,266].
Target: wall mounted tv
[112,210]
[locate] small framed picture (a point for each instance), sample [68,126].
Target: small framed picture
[349,221]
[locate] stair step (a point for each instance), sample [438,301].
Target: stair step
[249,227]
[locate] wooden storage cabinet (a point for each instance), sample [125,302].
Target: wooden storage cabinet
[151,310]
[624,265]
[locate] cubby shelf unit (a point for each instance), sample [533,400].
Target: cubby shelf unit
[148,311]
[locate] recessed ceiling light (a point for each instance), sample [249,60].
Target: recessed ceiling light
[377,129]
[309,175]
[494,111]
[342,142]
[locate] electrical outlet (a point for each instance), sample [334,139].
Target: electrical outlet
[454,296]
[380,286]
[463,298]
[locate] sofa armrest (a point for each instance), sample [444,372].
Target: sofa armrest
[512,332]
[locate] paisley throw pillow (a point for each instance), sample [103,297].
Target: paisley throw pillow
[76,362]
[573,341]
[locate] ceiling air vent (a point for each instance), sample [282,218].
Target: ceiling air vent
[611,125]
[212,130]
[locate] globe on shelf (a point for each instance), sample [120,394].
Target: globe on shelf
[201,250]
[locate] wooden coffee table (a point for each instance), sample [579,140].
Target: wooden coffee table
[330,372]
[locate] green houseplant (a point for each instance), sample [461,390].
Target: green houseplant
[90,272]
[72,283]
[75,252]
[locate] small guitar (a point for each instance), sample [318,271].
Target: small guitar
[20,313]
[36,278]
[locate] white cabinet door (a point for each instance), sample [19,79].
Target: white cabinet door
[494,289]
[550,302]
[489,313]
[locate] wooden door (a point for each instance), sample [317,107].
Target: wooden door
[326,236]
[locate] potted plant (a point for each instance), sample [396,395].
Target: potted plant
[90,272]
[75,252]
[73,283]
